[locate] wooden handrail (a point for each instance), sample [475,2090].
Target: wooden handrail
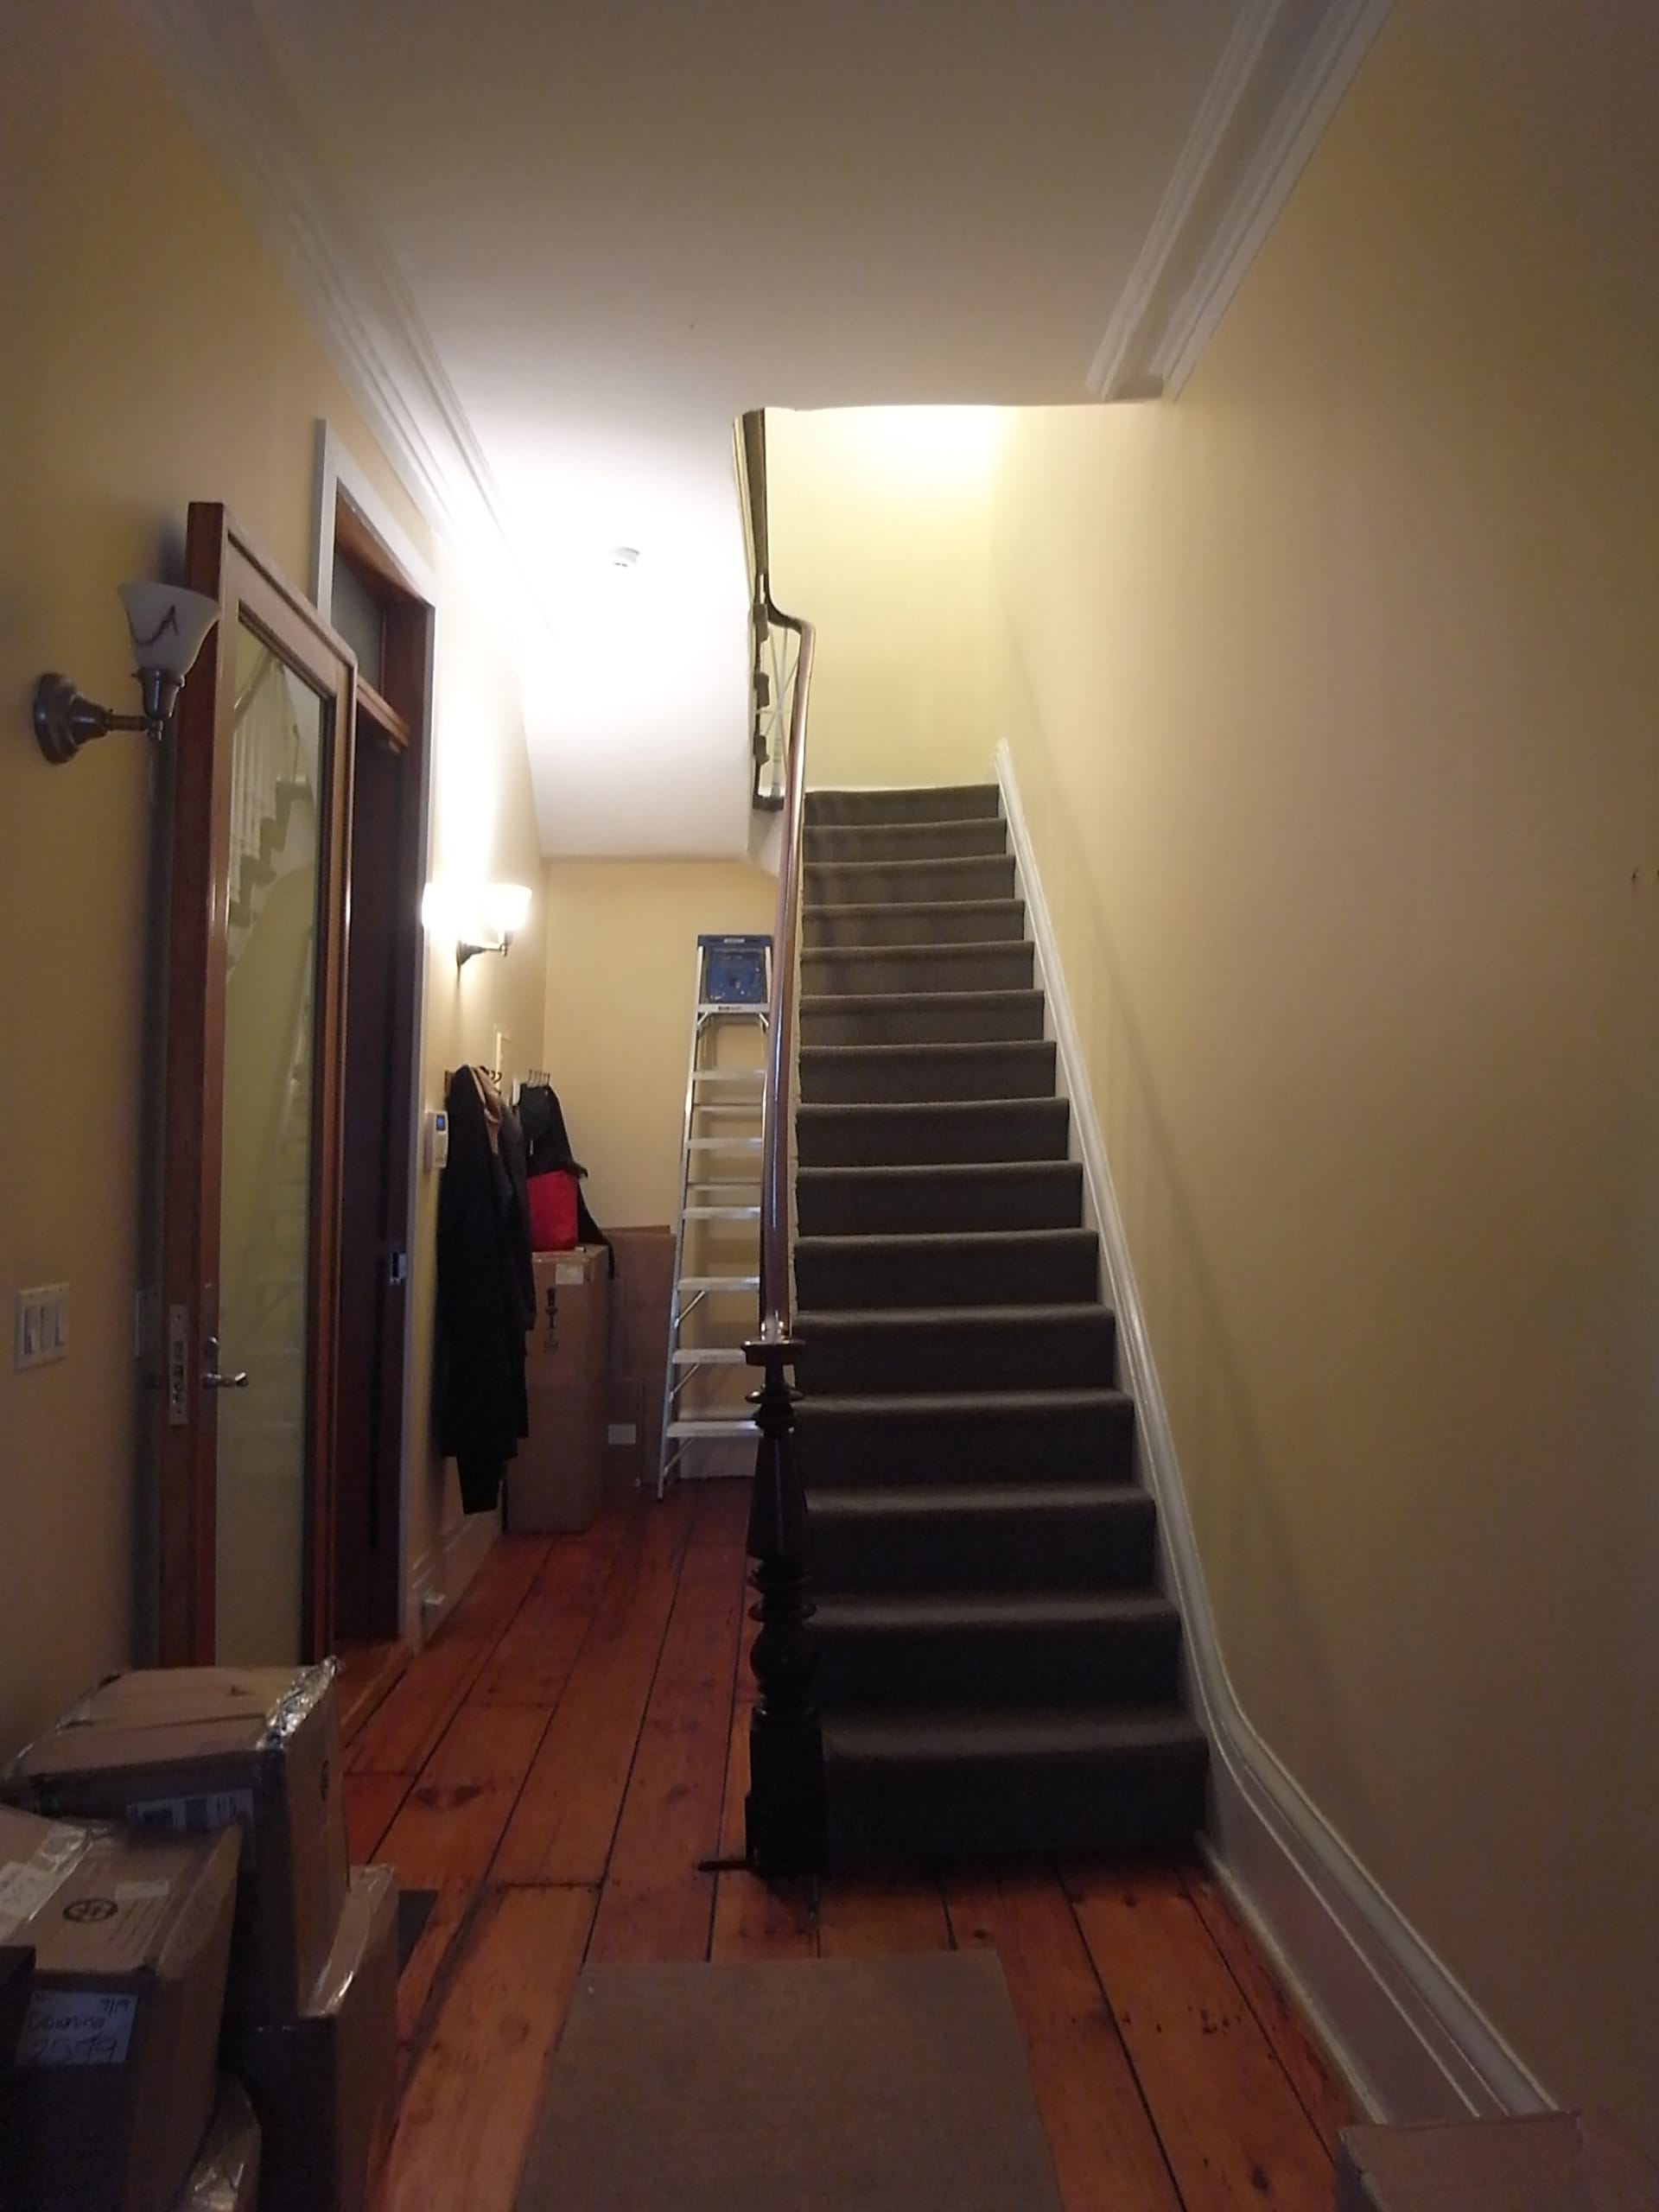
[776,1317]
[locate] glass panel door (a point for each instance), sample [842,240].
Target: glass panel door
[265,1177]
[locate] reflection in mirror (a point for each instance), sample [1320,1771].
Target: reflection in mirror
[266,1211]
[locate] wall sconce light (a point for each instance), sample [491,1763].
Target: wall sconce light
[168,626]
[483,919]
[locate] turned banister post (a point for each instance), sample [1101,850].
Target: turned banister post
[784,1812]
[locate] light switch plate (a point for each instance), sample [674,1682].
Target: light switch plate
[42,1325]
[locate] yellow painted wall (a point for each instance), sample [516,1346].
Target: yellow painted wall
[880,536]
[483,830]
[122,399]
[621,954]
[1331,692]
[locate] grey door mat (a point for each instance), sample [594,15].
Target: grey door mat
[889,2085]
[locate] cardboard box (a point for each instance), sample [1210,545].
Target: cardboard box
[225,2176]
[16,1981]
[324,2084]
[556,1478]
[188,1749]
[1547,2162]
[114,2080]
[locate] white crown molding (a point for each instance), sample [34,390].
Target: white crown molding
[1413,2043]
[1280,79]
[230,85]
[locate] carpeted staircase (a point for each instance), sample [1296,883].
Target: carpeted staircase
[997,1669]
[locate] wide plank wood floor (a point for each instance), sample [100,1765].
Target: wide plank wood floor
[557,1761]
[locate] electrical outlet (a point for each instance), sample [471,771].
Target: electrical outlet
[42,1326]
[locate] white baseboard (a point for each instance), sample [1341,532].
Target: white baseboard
[443,1572]
[1413,2043]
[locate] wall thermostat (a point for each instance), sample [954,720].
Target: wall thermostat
[437,1148]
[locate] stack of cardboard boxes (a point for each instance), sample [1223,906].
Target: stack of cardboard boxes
[174,1854]
[557,1477]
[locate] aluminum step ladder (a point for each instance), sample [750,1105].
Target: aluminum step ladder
[708,1429]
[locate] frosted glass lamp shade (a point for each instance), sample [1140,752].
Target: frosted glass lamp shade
[507,905]
[169,625]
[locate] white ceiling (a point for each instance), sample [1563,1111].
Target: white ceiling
[564,242]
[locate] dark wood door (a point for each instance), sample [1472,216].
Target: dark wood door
[261,837]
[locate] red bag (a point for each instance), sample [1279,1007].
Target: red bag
[552,1211]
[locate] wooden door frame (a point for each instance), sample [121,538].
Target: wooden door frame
[350,512]
[223,561]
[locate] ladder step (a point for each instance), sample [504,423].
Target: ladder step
[731,1013]
[720,1213]
[732,1425]
[708,1112]
[720,1282]
[711,1356]
[725,1144]
[752,1077]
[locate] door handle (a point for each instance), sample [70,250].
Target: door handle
[211,1377]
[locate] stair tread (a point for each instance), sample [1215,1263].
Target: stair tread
[933,1317]
[926,1499]
[819,910]
[823,1002]
[932,1405]
[933,1108]
[977,1609]
[1005,1732]
[930,1047]
[942,1239]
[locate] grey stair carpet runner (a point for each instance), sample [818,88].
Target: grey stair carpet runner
[998,1670]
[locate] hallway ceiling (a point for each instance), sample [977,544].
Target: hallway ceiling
[558,248]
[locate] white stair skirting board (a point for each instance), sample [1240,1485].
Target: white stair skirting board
[1413,2043]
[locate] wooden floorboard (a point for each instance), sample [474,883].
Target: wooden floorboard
[473,2096]
[367,1672]
[372,1802]
[1324,2098]
[1106,2152]
[656,1903]
[1232,2126]
[452,1819]
[576,1739]
[561,1828]
[882,1918]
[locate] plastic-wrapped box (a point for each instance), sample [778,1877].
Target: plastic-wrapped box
[225,2176]
[178,1750]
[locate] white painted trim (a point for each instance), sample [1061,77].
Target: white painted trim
[1412,2042]
[228,82]
[1280,79]
[443,1573]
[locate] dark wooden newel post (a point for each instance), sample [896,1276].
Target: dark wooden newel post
[784,1814]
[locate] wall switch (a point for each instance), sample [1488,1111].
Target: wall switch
[42,1326]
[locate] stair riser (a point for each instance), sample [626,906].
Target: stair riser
[964,1354]
[857,883]
[923,802]
[1090,1548]
[845,1076]
[1049,1663]
[1125,1803]
[876,1136]
[832,1202]
[843,926]
[910,841]
[900,973]
[901,1018]
[1054,1273]
[1068,1445]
